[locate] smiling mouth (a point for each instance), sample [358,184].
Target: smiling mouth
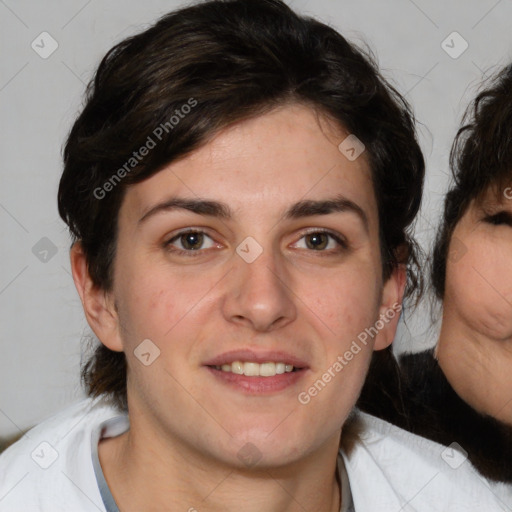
[251,369]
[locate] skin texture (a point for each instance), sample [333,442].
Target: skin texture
[475,344]
[187,426]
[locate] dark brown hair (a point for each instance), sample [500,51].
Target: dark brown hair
[480,160]
[231,60]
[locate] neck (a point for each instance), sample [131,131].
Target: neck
[476,365]
[172,476]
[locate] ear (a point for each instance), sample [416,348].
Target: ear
[391,306]
[98,304]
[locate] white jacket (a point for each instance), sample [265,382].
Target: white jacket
[52,469]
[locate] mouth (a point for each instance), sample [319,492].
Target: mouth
[257,373]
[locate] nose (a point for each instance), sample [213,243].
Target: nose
[259,295]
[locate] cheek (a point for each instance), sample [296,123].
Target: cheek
[481,291]
[178,309]
[348,306]
[170,312]
[153,304]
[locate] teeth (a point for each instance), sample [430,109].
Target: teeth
[237,367]
[251,369]
[267,369]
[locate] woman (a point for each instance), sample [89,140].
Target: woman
[461,391]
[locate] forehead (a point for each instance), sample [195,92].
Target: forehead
[494,197]
[262,165]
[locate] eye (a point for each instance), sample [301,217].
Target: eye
[189,241]
[323,241]
[499,218]
[193,241]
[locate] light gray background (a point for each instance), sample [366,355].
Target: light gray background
[42,323]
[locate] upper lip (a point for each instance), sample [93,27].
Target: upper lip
[247,355]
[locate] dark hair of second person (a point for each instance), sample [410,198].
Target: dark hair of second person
[448,394]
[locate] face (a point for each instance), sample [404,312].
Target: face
[478,299]
[252,266]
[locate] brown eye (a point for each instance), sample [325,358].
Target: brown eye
[317,241]
[191,241]
[322,242]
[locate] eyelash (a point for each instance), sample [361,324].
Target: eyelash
[499,219]
[343,245]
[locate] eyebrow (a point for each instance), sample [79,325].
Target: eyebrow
[305,208]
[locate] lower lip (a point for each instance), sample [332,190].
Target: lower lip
[258,385]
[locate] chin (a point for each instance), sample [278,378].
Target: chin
[271,449]
[496,327]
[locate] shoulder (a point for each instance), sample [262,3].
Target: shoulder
[437,412]
[50,467]
[390,468]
